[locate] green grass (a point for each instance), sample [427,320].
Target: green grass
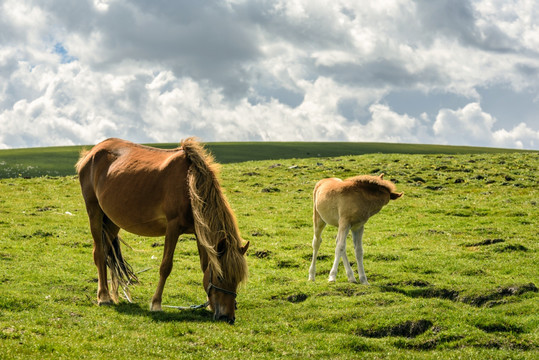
[59,161]
[452,267]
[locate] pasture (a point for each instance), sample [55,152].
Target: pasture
[452,267]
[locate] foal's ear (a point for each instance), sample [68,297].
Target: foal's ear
[395,196]
[243,249]
[382,176]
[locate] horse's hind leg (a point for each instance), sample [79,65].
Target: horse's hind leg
[113,231]
[340,249]
[95,215]
[348,268]
[357,235]
[318,225]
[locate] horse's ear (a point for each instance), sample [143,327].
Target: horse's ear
[382,176]
[243,249]
[395,196]
[221,247]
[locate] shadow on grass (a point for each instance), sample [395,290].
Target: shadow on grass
[169,315]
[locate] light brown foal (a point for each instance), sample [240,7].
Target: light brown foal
[348,205]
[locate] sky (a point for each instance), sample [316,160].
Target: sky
[455,72]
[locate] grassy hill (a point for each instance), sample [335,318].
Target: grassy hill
[59,161]
[452,266]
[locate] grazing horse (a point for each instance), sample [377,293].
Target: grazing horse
[348,205]
[155,192]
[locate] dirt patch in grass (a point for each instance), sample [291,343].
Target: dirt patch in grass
[262,254]
[416,283]
[489,298]
[500,327]
[409,329]
[297,298]
[293,298]
[270,190]
[309,257]
[493,298]
[287,264]
[486,242]
[511,247]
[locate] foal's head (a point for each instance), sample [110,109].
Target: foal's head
[222,291]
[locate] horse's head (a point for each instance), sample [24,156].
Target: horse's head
[222,294]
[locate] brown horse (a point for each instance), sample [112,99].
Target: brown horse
[154,192]
[347,204]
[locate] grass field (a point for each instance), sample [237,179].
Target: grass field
[452,267]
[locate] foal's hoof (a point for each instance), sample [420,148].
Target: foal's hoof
[156,307]
[105,303]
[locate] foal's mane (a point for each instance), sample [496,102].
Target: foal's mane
[373,183]
[214,219]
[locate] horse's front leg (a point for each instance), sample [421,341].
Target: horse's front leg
[171,238]
[340,249]
[357,236]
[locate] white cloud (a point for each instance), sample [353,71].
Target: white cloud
[471,125]
[463,125]
[521,136]
[77,72]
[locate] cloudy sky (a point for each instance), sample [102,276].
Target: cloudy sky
[458,72]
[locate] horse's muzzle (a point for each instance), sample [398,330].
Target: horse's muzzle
[229,320]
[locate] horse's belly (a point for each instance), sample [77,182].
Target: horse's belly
[139,224]
[154,228]
[147,220]
[328,212]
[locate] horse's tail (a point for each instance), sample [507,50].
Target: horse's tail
[122,273]
[82,159]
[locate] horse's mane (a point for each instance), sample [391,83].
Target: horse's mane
[214,219]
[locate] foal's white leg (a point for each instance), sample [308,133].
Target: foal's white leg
[340,249]
[348,268]
[319,226]
[357,236]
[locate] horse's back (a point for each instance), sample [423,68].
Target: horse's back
[149,183]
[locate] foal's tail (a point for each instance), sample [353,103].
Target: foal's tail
[122,273]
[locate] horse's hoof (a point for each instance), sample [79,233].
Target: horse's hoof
[105,303]
[155,308]
[353,281]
